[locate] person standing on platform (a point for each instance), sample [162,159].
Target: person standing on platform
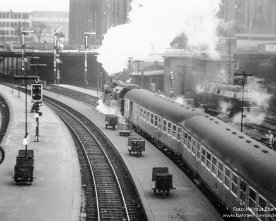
[271,140]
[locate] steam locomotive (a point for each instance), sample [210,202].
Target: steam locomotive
[237,169]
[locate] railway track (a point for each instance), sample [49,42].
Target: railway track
[108,189]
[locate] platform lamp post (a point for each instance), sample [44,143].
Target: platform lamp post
[244,75]
[86,34]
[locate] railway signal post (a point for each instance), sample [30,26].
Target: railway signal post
[244,75]
[86,34]
[171,88]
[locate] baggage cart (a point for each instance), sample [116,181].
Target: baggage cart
[23,170]
[125,129]
[161,180]
[136,145]
[111,121]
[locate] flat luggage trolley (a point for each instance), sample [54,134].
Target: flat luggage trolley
[161,180]
[23,170]
[136,144]
[125,129]
[111,121]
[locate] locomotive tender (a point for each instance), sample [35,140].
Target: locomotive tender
[237,169]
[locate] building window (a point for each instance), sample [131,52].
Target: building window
[151,118]
[155,120]
[148,116]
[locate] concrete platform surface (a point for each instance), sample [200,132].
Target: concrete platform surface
[55,193]
[186,202]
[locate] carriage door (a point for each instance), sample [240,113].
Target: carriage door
[131,111]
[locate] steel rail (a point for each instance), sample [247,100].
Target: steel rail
[110,164]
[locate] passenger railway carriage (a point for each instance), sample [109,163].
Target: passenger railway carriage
[239,170]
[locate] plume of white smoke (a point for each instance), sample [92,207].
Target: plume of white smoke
[152,26]
[260,98]
[249,117]
[112,108]
[225,107]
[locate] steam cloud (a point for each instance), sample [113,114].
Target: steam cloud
[153,24]
[260,97]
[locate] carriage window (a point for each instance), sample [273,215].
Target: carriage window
[272,213]
[242,190]
[227,177]
[203,154]
[151,118]
[262,207]
[169,127]
[234,184]
[155,120]
[208,162]
[194,147]
[174,131]
[214,165]
[198,151]
[252,198]
[189,142]
[148,116]
[186,140]
[145,114]
[178,133]
[160,123]
[164,125]
[220,171]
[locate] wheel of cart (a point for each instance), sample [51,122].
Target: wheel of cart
[136,145]
[161,180]
[111,121]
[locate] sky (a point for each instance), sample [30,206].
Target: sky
[33,5]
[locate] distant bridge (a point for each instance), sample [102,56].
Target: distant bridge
[71,68]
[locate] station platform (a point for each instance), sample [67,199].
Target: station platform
[79,89]
[55,193]
[185,202]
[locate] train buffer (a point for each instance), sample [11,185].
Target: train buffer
[161,180]
[23,170]
[125,129]
[136,144]
[111,121]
